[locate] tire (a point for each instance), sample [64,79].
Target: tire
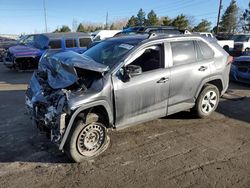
[88,138]
[207,101]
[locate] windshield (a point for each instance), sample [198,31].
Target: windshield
[241,38]
[108,52]
[37,41]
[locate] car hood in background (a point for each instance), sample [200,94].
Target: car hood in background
[21,50]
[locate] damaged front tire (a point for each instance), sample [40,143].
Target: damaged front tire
[88,138]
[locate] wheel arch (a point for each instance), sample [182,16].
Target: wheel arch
[96,107]
[215,81]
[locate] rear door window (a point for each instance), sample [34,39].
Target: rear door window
[70,43]
[55,44]
[183,52]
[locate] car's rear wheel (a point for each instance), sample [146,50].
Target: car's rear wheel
[88,138]
[207,101]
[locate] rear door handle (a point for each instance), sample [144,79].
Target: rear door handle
[163,80]
[202,68]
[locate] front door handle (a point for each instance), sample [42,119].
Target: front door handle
[202,68]
[163,80]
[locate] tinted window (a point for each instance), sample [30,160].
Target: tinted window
[70,43]
[84,42]
[183,52]
[55,44]
[204,51]
[150,59]
[241,38]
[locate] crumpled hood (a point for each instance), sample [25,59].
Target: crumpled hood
[61,67]
[21,50]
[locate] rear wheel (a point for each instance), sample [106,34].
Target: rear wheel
[207,101]
[88,138]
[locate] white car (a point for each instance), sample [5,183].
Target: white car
[103,34]
[227,45]
[241,42]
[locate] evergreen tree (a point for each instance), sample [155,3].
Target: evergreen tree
[229,19]
[132,22]
[167,21]
[152,19]
[246,19]
[203,26]
[141,18]
[181,22]
[81,28]
[112,27]
[64,28]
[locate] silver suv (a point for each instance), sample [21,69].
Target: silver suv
[122,82]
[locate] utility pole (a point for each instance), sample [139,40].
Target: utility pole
[107,16]
[218,18]
[45,16]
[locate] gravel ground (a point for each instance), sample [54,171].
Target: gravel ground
[176,151]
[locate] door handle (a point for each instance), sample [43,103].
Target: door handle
[202,68]
[163,80]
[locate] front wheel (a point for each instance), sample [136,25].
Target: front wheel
[207,101]
[88,138]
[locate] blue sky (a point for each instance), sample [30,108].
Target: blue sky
[27,16]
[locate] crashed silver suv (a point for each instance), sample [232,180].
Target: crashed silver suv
[121,82]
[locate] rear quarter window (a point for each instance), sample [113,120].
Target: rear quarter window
[204,51]
[84,42]
[183,52]
[55,44]
[70,43]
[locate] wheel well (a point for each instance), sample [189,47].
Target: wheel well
[97,110]
[217,83]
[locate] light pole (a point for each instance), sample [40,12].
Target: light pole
[45,16]
[218,18]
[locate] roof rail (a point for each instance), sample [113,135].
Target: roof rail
[152,35]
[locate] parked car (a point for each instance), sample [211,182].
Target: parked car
[227,45]
[104,34]
[121,82]
[30,48]
[150,29]
[241,43]
[5,43]
[240,69]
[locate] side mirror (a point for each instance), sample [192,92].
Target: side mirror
[130,71]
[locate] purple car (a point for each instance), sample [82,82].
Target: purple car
[30,48]
[240,69]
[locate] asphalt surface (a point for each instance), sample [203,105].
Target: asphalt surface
[176,151]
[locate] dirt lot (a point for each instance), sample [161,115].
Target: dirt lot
[177,151]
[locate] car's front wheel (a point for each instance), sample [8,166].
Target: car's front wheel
[207,101]
[88,138]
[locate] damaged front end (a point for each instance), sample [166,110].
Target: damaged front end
[60,77]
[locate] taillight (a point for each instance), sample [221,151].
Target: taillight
[229,60]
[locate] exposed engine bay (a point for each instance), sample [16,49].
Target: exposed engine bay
[59,77]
